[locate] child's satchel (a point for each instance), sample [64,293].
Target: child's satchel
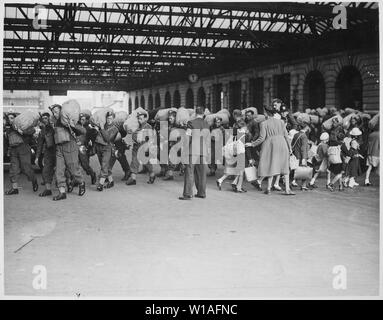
[334,156]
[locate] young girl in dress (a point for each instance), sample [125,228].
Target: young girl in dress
[236,166]
[335,161]
[320,160]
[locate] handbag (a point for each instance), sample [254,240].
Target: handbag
[251,173]
[303,173]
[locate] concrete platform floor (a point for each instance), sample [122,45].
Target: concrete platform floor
[141,241]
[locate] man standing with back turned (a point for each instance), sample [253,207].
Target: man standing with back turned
[195,171]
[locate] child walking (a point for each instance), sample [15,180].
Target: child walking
[353,168]
[320,160]
[335,162]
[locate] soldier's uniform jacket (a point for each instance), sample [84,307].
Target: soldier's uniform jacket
[64,134]
[45,139]
[67,153]
[171,128]
[83,138]
[119,144]
[20,153]
[15,138]
[107,135]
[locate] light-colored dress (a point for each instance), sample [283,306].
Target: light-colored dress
[275,149]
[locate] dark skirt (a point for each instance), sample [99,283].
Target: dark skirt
[353,167]
[336,168]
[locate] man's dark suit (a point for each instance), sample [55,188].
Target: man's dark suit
[197,172]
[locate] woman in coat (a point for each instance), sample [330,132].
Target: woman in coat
[275,150]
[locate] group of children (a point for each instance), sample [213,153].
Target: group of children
[340,156]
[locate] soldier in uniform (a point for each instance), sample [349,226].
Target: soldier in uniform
[119,155]
[83,143]
[170,167]
[104,149]
[67,154]
[217,139]
[20,155]
[46,147]
[138,140]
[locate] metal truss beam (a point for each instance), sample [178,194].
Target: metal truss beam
[14,43]
[221,34]
[226,10]
[146,44]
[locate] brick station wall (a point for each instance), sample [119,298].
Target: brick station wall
[367,63]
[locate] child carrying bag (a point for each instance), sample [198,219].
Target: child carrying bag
[334,156]
[294,162]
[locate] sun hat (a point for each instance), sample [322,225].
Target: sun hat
[355,132]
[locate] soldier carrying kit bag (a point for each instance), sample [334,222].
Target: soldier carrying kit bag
[26,120]
[70,112]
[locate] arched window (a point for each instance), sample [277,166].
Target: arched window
[201,97]
[168,100]
[136,105]
[157,101]
[176,99]
[150,102]
[189,98]
[314,91]
[349,89]
[142,102]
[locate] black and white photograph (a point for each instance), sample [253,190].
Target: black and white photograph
[190,150]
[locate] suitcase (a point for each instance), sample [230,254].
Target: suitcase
[303,173]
